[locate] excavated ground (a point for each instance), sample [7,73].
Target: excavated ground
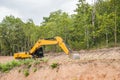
[101,64]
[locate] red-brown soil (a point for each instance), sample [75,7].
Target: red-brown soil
[101,64]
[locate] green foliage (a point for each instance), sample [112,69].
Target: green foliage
[35,69]
[27,61]
[5,67]
[26,72]
[54,65]
[29,65]
[9,65]
[15,63]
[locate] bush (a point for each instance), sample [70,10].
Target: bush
[15,63]
[29,65]
[27,61]
[6,67]
[9,65]
[19,70]
[26,73]
[35,69]
[0,67]
[54,65]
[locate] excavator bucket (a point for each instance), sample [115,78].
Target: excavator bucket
[74,56]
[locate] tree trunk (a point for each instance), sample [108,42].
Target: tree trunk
[93,22]
[115,30]
[106,39]
[87,37]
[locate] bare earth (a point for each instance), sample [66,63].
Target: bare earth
[4,59]
[101,64]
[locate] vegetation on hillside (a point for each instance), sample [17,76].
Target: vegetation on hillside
[25,64]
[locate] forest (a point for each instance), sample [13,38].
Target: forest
[92,26]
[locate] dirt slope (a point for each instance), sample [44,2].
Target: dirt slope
[4,59]
[101,64]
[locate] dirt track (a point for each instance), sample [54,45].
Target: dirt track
[101,64]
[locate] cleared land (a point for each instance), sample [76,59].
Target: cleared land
[4,59]
[101,64]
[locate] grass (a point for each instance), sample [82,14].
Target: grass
[54,65]
[27,61]
[29,65]
[26,65]
[36,62]
[6,67]
[9,65]
[26,72]
[35,69]
[44,59]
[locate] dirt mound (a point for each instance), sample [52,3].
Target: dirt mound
[101,64]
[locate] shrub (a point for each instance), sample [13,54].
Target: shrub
[29,65]
[26,72]
[5,67]
[19,70]
[9,65]
[27,61]
[0,67]
[15,63]
[35,69]
[54,65]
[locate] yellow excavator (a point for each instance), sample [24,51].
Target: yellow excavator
[37,50]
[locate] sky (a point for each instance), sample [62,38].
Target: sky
[35,9]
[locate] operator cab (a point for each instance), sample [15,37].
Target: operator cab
[38,53]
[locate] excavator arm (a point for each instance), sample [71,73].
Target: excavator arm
[52,41]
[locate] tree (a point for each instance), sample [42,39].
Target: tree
[12,34]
